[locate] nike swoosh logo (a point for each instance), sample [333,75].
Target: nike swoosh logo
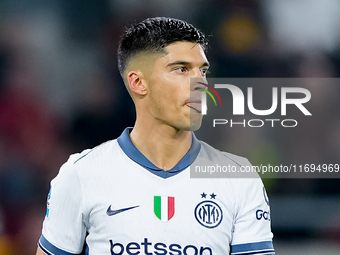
[110,212]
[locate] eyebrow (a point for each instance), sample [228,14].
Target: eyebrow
[186,63]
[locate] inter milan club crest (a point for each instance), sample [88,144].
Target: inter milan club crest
[164,207]
[208,213]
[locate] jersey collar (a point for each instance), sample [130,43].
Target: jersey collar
[133,153]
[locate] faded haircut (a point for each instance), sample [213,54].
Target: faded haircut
[152,35]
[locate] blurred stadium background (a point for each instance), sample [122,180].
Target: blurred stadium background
[60,92]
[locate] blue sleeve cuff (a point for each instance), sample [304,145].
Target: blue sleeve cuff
[253,248]
[50,249]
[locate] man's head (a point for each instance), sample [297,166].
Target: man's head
[157,58]
[152,36]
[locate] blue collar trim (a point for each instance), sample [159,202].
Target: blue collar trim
[133,153]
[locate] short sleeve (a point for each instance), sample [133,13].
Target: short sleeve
[64,229]
[252,226]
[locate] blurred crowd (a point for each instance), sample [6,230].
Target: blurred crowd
[61,92]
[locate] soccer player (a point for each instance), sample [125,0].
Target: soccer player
[134,194]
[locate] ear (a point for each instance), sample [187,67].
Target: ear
[136,83]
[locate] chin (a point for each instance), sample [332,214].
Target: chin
[191,125]
[195,122]
[190,122]
[194,127]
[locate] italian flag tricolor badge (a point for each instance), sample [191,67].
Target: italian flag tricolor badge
[164,207]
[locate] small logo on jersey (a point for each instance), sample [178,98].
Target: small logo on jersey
[110,212]
[260,214]
[164,207]
[208,213]
[48,203]
[265,196]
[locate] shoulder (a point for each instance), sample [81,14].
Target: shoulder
[242,183]
[213,163]
[78,162]
[99,151]
[214,154]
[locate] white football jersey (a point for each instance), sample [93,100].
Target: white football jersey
[115,201]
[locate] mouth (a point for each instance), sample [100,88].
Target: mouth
[196,105]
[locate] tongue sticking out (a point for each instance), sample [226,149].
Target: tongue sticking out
[196,106]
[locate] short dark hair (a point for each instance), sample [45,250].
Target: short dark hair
[153,34]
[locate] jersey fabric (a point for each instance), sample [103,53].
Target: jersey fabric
[114,200]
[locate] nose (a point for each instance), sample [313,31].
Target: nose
[198,80]
[198,83]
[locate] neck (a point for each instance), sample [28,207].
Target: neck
[162,144]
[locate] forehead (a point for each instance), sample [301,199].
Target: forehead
[185,51]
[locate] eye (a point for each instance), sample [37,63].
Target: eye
[181,69]
[204,71]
